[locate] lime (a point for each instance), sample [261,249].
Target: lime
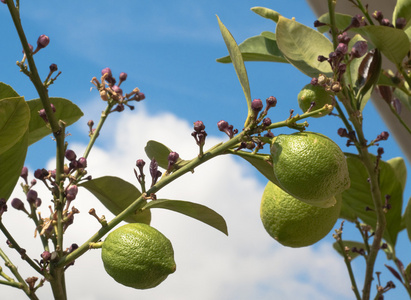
[310,167]
[292,222]
[314,93]
[138,255]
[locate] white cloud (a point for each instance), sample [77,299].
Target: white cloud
[247,264]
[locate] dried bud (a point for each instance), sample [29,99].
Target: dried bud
[70,155]
[17,204]
[42,42]
[318,23]
[342,132]
[199,126]
[359,49]
[321,58]
[257,105]
[31,196]
[271,101]
[53,68]
[336,87]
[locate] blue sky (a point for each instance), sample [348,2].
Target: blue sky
[168,50]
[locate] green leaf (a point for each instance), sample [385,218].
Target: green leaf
[11,163]
[358,196]
[7,91]
[302,45]
[400,170]
[266,13]
[239,66]
[160,152]
[197,211]
[14,121]
[403,97]
[259,48]
[341,21]
[65,110]
[261,162]
[392,42]
[116,195]
[407,218]
[349,244]
[402,10]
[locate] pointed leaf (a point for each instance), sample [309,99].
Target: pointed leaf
[358,196]
[14,121]
[404,98]
[402,10]
[197,211]
[407,218]
[65,110]
[350,245]
[394,272]
[238,64]
[302,45]
[341,21]
[266,13]
[259,48]
[11,163]
[392,42]
[7,91]
[400,169]
[116,195]
[160,152]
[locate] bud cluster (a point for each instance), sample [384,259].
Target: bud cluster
[199,134]
[342,132]
[400,23]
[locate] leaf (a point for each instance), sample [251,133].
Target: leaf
[116,195]
[238,64]
[358,196]
[7,91]
[341,22]
[392,42]
[394,272]
[65,110]
[197,211]
[350,245]
[400,170]
[368,74]
[14,121]
[160,152]
[261,162]
[266,13]
[404,98]
[259,48]
[11,164]
[302,45]
[402,10]
[407,218]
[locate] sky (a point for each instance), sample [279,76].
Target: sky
[169,50]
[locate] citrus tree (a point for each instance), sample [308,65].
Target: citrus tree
[311,182]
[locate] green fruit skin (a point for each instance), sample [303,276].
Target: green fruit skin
[294,223]
[307,172]
[142,259]
[313,93]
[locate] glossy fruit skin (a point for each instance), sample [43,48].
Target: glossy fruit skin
[292,222]
[138,255]
[310,167]
[314,93]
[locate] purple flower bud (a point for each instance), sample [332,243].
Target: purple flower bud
[140,96]
[400,23]
[53,108]
[140,163]
[24,173]
[378,15]
[72,248]
[222,125]
[33,182]
[53,68]
[52,173]
[41,173]
[70,155]
[343,38]
[173,157]
[17,204]
[257,105]
[342,132]
[199,126]
[357,21]
[31,196]
[42,41]
[342,48]
[321,58]
[106,71]
[72,190]
[359,49]
[314,81]
[38,202]
[271,101]
[385,22]
[46,256]
[123,76]
[90,123]
[117,90]
[42,114]
[82,163]
[266,121]
[384,136]
[30,47]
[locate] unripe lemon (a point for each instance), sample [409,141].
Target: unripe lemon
[138,256]
[292,222]
[310,167]
[314,93]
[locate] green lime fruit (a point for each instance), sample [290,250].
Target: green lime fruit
[292,222]
[314,93]
[138,255]
[310,167]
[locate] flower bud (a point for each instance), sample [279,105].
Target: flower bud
[38,202]
[117,90]
[378,15]
[317,23]
[266,121]
[222,125]
[31,196]
[90,123]
[199,126]
[173,157]
[140,96]
[82,163]
[42,42]
[30,47]
[46,256]
[400,23]
[271,101]
[106,71]
[24,173]
[70,155]
[342,48]
[140,163]
[53,68]
[72,248]
[359,49]
[257,105]
[385,22]
[343,38]
[123,76]
[17,204]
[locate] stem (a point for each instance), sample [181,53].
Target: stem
[331,11]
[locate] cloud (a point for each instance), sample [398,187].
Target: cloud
[247,264]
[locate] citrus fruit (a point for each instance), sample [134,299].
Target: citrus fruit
[292,222]
[310,167]
[138,255]
[314,93]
